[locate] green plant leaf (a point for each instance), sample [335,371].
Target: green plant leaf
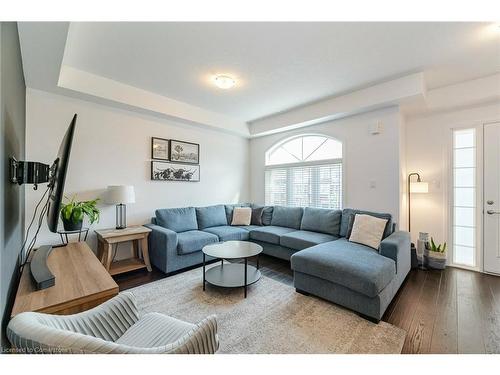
[77,215]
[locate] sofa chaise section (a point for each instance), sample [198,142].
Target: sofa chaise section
[353,275]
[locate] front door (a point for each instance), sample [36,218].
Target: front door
[491,206]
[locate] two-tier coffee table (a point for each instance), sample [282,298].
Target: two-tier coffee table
[232,275]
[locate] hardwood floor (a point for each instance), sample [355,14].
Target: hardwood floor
[450,311]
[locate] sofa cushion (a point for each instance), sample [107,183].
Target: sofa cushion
[229,233]
[250,227]
[241,216]
[346,219]
[194,240]
[211,216]
[228,208]
[153,330]
[177,219]
[302,239]
[269,234]
[289,217]
[257,216]
[367,230]
[351,265]
[267,215]
[321,220]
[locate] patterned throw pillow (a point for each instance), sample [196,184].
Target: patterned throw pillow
[242,216]
[367,230]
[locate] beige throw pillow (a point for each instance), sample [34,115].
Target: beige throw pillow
[242,216]
[367,230]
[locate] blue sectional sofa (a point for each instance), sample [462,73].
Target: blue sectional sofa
[324,261]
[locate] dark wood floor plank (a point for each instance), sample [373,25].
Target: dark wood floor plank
[418,339]
[490,318]
[470,338]
[404,310]
[445,335]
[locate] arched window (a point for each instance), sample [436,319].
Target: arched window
[305,170]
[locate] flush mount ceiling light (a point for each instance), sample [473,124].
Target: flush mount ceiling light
[224,81]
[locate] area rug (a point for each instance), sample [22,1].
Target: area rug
[273,318]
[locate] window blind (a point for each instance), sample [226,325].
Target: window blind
[317,185]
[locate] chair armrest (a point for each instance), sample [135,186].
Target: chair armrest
[397,247]
[202,339]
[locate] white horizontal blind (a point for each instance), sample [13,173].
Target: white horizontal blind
[316,185]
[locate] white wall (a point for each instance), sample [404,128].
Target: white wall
[428,142]
[113,147]
[368,158]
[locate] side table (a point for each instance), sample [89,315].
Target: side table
[107,238]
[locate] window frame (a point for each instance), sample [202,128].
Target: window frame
[341,161]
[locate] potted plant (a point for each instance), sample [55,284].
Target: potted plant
[435,255]
[73,212]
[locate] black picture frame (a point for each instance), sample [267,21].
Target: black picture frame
[167,141]
[175,158]
[171,177]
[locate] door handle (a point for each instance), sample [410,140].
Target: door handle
[490,212]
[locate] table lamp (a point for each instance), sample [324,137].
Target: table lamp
[120,195]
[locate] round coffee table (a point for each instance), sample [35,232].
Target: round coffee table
[232,275]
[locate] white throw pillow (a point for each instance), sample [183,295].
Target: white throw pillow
[242,216]
[368,230]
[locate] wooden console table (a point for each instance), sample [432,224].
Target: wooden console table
[106,238]
[81,283]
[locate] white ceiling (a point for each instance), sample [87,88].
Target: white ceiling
[278,65]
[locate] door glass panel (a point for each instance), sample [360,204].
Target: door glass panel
[464,216]
[464,138]
[464,177]
[464,236]
[464,197]
[464,157]
[464,255]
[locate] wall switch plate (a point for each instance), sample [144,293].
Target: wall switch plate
[376,128]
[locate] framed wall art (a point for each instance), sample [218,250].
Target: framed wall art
[184,152]
[160,148]
[166,171]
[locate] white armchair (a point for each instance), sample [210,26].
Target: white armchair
[113,327]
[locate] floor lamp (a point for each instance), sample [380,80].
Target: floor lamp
[415,187]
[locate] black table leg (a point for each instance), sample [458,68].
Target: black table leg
[62,238]
[257,262]
[203,271]
[222,262]
[246,261]
[67,240]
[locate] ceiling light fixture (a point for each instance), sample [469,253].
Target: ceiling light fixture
[224,81]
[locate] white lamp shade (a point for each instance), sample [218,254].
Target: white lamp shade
[419,187]
[118,194]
